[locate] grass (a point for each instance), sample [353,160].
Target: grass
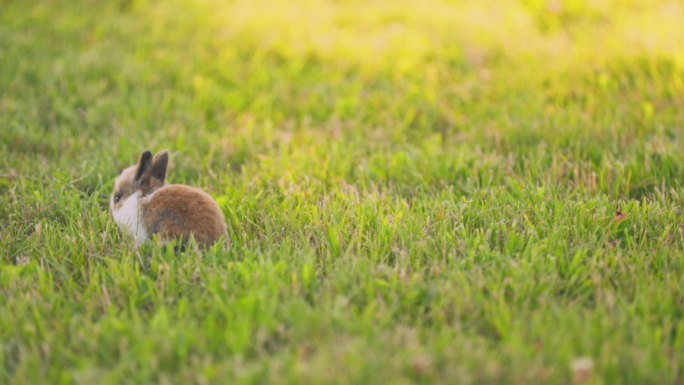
[416,192]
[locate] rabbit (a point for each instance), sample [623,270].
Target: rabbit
[144,205]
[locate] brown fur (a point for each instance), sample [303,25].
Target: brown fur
[177,212]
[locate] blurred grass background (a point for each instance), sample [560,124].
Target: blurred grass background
[417,192]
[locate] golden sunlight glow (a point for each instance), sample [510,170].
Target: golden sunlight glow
[399,35]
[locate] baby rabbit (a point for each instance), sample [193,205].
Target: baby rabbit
[144,205]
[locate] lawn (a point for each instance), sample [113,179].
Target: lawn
[476,192]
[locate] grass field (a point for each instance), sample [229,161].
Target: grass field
[417,192]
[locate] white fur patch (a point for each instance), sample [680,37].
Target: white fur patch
[129,217]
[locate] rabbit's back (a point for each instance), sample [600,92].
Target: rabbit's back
[178,211]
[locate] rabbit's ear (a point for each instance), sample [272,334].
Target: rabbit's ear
[144,165]
[159,164]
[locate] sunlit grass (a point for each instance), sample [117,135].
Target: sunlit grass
[404,35]
[417,192]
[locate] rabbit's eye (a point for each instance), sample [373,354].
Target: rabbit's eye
[117,197]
